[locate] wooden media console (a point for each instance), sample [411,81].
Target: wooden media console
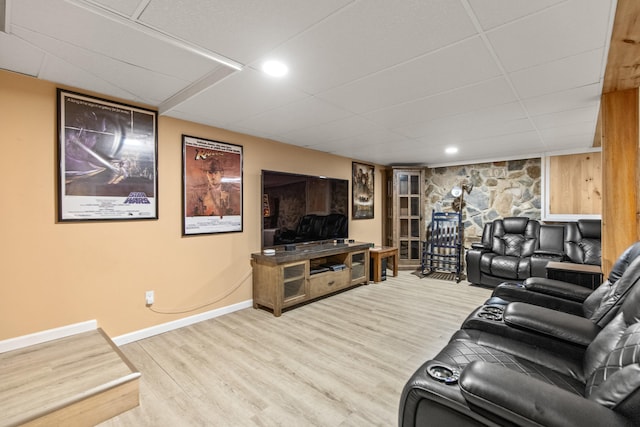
[311,271]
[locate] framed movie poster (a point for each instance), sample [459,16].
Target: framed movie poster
[212,186]
[107,160]
[362,191]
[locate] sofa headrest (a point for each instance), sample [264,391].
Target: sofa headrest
[590,228]
[515,225]
[623,261]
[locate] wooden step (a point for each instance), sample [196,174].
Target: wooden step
[79,380]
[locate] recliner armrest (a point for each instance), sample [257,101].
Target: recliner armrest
[557,288]
[556,324]
[548,254]
[498,390]
[504,294]
[477,245]
[480,246]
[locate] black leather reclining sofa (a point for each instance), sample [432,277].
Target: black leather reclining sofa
[516,248]
[517,364]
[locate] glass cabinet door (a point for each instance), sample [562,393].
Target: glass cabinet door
[358,267]
[294,279]
[408,202]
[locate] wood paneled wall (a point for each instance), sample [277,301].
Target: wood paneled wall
[620,174]
[576,184]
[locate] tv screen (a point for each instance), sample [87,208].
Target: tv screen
[302,208]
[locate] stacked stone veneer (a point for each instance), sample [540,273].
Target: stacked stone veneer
[500,190]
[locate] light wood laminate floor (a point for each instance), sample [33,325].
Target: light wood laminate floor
[340,361]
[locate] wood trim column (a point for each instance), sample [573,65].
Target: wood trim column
[620,169]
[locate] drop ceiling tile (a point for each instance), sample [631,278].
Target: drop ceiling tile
[483,118]
[567,73]
[197,117]
[497,12]
[340,130]
[370,36]
[106,38]
[556,135]
[143,84]
[483,95]
[462,134]
[458,65]
[338,147]
[239,30]
[564,100]
[579,115]
[297,115]
[465,139]
[409,152]
[125,7]
[384,154]
[572,142]
[59,71]
[523,144]
[363,141]
[19,56]
[243,94]
[571,28]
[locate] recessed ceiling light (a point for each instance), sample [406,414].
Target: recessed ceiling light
[451,150]
[275,68]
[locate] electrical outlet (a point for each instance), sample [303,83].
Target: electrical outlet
[149,297]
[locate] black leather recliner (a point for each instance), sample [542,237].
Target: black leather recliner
[548,328]
[564,296]
[515,248]
[481,378]
[583,241]
[505,251]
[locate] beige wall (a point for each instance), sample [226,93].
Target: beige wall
[55,274]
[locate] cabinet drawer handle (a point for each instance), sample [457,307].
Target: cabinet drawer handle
[331,282]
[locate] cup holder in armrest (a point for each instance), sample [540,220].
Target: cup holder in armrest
[498,309]
[443,373]
[489,316]
[491,312]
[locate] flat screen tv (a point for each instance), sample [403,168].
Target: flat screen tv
[303,208]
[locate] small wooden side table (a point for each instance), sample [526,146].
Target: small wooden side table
[589,276]
[377,254]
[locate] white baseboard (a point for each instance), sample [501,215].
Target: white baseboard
[77,328]
[180,323]
[48,335]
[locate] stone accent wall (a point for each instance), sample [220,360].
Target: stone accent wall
[500,189]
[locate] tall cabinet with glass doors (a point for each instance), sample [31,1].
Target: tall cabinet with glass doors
[404,223]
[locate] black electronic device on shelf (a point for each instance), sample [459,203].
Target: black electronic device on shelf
[319,269]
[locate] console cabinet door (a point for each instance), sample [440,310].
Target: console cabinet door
[294,281]
[359,267]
